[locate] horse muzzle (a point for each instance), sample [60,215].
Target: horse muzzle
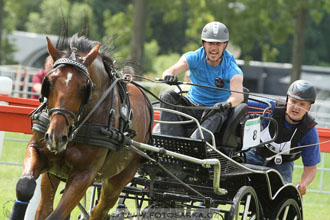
[56,144]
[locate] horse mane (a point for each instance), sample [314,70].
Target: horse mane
[82,44]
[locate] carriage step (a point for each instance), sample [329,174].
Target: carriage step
[173,196]
[133,190]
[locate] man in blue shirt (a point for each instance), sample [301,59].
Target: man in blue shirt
[296,127]
[210,65]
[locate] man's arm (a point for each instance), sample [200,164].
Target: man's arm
[236,84]
[180,67]
[37,87]
[306,178]
[37,80]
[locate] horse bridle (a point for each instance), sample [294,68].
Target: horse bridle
[65,112]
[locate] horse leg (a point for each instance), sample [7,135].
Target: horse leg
[27,182]
[49,185]
[112,188]
[75,189]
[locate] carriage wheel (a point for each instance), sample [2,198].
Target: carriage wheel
[245,205]
[287,209]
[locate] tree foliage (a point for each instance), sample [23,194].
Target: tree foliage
[262,29]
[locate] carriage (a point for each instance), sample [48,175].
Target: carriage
[95,126]
[185,178]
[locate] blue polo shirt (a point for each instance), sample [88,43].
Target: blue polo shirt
[203,73]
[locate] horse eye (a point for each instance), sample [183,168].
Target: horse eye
[83,89]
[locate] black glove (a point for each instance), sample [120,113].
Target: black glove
[223,105]
[171,79]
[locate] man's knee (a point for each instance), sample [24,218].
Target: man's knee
[25,188]
[170,97]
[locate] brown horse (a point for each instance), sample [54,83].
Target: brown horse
[83,89]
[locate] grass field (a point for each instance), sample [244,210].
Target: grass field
[315,205]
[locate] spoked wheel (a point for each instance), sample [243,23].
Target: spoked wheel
[245,205]
[287,209]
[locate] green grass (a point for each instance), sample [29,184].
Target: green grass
[315,205]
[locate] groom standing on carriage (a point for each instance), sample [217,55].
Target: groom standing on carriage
[210,65]
[297,135]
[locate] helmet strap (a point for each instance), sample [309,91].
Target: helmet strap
[295,121]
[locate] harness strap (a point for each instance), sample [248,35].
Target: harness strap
[105,94]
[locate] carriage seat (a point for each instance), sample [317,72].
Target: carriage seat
[231,132]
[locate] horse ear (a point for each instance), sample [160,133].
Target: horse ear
[53,52]
[90,57]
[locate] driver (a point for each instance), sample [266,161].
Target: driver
[211,65]
[296,127]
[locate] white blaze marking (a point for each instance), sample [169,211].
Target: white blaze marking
[68,79]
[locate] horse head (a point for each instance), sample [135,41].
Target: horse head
[67,88]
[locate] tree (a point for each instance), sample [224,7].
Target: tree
[6,26]
[137,45]
[48,20]
[298,43]
[2,5]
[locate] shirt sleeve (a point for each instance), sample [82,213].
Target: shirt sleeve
[234,68]
[192,59]
[310,154]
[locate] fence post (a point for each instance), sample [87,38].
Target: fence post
[6,86]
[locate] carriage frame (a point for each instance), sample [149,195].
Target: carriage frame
[185,178]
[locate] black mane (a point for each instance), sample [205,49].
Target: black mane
[82,44]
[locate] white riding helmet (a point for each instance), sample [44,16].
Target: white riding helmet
[215,32]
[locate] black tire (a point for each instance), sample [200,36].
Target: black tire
[245,205]
[287,209]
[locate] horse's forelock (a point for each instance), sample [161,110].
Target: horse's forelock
[83,45]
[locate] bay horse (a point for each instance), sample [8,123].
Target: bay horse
[83,91]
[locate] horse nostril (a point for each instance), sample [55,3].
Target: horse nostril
[46,136]
[64,139]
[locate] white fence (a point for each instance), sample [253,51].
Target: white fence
[22,79]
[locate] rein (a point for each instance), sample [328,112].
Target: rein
[159,80]
[173,105]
